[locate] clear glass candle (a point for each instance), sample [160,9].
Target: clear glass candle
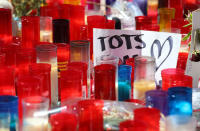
[145,68]
[124,82]
[80,52]
[35,116]
[48,54]
[46,29]
[181,123]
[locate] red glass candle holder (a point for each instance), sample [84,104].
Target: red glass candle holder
[131,62]
[150,116]
[7,81]
[131,125]
[2,59]
[84,32]
[49,10]
[90,115]
[104,82]
[110,24]
[5,25]
[24,57]
[83,67]
[30,31]
[70,84]
[170,76]
[94,22]
[28,85]
[44,71]
[76,20]
[178,80]
[10,54]
[142,22]
[62,56]
[178,5]
[182,60]
[60,123]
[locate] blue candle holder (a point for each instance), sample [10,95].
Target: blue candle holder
[157,99]
[124,82]
[9,105]
[180,101]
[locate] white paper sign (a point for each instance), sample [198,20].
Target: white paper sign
[192,68]
[125,44]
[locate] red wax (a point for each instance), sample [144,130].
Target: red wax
[70,84]
[90,115]
[5,25]
[83,67]
[182,60]
[30,31]
[104,82]
[44,71]
[7,81]
[150,116]
[63,122]
[143,22]
[131,62]
[24,57]
[131,125]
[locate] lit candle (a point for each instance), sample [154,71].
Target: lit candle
[46,33]
[35,116]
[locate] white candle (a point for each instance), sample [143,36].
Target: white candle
[54,83]
[35,124]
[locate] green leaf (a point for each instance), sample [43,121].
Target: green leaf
[187,36]
[187,25]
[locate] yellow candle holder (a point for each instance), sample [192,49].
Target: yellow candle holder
[166,15]
[72,2]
